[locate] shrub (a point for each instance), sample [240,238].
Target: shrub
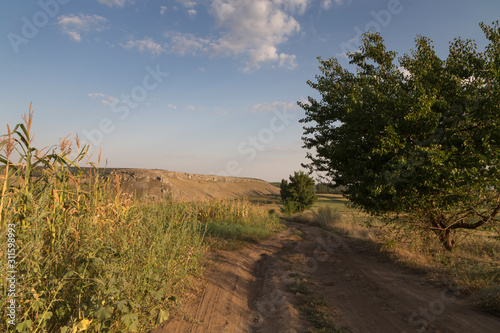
[298,194]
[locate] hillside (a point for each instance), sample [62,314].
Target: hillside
[185,186]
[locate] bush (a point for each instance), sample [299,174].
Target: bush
[290,207]
[298,195]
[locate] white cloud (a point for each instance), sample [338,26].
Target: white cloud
[95,95]
[144,45]
[163,9]
[105,99]
[192,13]
[111,3]
[269,107]
[187,3]
[190,107]
[76,25]
[254,29]
[171,106]
[298,6]
[327,4]
[182,43]
[287,61]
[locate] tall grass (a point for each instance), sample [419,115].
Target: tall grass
[88,256]
[231,224]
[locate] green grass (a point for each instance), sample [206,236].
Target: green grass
[334,201]
[238,232]
[232,236]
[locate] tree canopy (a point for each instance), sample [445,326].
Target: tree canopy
[415,135]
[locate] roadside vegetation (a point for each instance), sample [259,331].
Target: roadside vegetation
[473,267]
[89,257]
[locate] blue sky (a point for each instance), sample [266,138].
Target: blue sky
[201,86]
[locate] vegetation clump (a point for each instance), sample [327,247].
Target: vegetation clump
[298,194]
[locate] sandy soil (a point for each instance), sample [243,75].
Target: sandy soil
[246,291]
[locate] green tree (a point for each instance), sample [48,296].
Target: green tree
[298,194]
[420,138]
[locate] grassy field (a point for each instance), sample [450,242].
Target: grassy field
[334,201]
[88,257]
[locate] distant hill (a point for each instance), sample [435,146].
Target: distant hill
[185,186]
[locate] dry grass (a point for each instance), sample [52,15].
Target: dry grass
[349,223]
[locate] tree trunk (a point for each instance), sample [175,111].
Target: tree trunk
[445,236]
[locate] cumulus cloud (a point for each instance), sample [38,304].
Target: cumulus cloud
[252,31]
[163,9]
[76,25]
[254,28]
[144,45]
[105,99]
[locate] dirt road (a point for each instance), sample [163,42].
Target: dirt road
[249,291]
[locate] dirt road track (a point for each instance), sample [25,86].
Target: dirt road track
[246,291]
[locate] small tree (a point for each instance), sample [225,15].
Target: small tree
[420,136]
[298,194]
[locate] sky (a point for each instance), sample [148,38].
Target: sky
[198,86]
